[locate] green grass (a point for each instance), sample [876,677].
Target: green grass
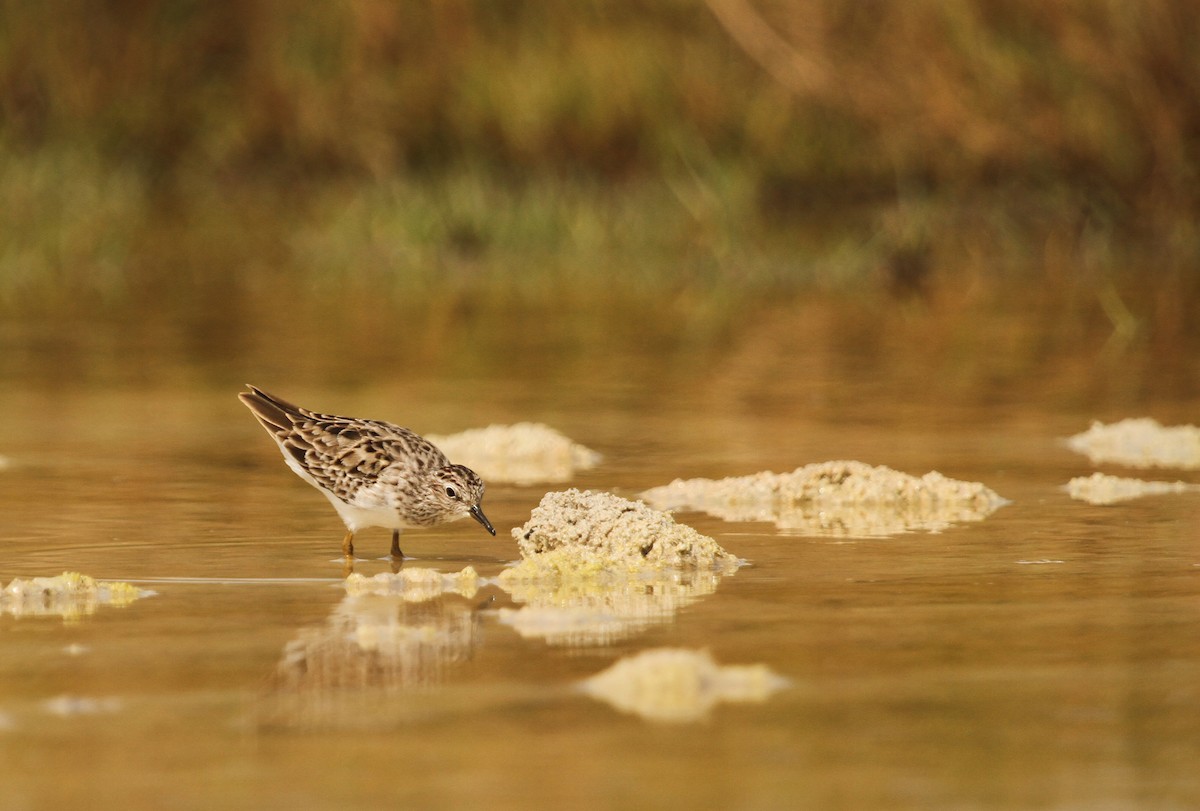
[70,220]
[176,155]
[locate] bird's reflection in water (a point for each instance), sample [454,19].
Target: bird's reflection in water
[367,664]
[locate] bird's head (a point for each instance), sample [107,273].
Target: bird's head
[458,491]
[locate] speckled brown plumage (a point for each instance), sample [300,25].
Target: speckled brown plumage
[374,473]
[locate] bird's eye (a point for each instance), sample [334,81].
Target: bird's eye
[450,491]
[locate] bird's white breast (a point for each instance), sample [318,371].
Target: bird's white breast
[370,509]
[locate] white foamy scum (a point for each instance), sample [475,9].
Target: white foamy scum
[68,595]
[415,585]
[525,453]
[835,499]
[1140,443]
[597,568]
[1102,489]
[603,532]
[676,685]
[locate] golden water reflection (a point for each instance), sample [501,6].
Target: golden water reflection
[394,634]
[374,651]
[603,609]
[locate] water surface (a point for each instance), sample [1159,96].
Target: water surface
[1046,657]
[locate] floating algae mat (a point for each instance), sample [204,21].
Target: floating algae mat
[415,585]
[525,453]
[836,499]
[1102,489]
[583,531]
[69,595]
[1140,443]
[596,568]
[678,685]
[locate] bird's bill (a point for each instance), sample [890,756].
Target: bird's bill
[477,514]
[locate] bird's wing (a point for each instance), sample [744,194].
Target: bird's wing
[342,454]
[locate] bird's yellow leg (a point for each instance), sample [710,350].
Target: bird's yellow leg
[348,544]
[396,553]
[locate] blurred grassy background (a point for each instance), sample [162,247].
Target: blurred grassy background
[670,155]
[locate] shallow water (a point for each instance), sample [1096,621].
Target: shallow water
[1045,657]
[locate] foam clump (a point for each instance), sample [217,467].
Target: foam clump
[575,532]
[1140,442]
[67,595]
[596,568]
[524,453]
[1103,489]
[677,685]
[415,585]
[838,498]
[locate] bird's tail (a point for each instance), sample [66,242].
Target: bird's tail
[274,414]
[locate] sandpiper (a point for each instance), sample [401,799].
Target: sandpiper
[375,474]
